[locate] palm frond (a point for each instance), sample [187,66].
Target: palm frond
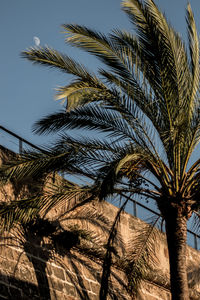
[140,255]
[35,164]
[139,59]
[16,212]
[53,195]
[97,44]
[90,117]
[81,92]
[52,58]
[194,54]
[152,27]
[89,143]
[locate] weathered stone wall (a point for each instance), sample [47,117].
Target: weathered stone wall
[31,269]
[75,277]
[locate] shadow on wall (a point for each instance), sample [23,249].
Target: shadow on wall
[44,269]
[54,281]
[13,288]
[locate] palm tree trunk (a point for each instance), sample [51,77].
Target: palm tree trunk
[176,230]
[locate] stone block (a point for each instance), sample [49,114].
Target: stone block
[24,273]
[22,258]
[4,291]
[3,278]
[95,286]
[6,252]
[8,265]
[69,276]
[15,293]
[30,291]
[93,296]
[92,273]
[58,273]
[84,284]
[70,290]
[56,284]
[66,297]
[17,254]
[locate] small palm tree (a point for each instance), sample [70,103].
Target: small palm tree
[145,105]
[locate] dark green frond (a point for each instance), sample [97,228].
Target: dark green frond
[90,117]
[51,123]
[31,165]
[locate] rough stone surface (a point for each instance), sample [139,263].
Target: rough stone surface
[30,270]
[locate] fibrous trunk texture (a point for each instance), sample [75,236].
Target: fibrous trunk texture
[176,230]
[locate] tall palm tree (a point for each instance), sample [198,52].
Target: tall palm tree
[145,105]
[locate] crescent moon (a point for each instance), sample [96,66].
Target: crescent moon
[36,41]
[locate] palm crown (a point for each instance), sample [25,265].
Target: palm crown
[146,100]
[145,104]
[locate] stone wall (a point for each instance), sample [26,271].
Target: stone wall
[30,268]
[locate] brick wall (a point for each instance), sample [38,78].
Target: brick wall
[30,268]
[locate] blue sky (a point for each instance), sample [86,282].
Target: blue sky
[27,91]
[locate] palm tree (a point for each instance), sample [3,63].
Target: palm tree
[145,107]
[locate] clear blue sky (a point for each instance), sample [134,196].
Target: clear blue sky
[27,91]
